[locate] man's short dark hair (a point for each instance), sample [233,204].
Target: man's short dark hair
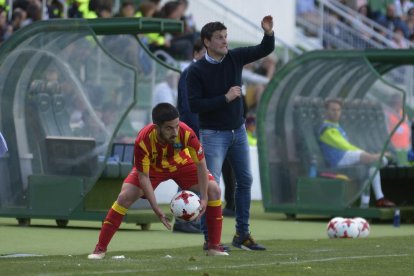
[208,30]
[164,112]
[329,101]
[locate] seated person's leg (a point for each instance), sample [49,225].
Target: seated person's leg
[360,157]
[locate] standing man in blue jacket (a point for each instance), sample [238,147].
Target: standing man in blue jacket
[214,89]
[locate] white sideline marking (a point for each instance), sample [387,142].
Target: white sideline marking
[20,255]
[197,268]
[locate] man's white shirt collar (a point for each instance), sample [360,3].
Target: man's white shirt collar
[212,60]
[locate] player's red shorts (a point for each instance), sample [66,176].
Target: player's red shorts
[185,177]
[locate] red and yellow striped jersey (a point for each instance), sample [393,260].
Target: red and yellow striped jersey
[149,154]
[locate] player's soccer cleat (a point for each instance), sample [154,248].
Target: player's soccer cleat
[246,242]
[97,254]
[225,247]
[217,251]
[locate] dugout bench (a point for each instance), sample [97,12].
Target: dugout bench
[291,111]
[54,73]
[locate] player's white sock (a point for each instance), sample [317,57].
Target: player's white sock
[376,183]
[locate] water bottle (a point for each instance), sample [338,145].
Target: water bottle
[313,168]
[397,218]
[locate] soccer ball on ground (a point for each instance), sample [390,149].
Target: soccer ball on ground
[363,226]
[331,228]
[348,228]
[185,205]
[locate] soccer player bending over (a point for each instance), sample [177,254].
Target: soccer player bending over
[166,149]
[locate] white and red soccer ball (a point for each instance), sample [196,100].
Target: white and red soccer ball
[348,228]
[339,227]
[185,206]
[332,226]
[364,227]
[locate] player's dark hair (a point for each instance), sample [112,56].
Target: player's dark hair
[164,112]
[208,30]
[329,101]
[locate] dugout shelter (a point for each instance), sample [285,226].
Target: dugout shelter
[73,95]
[291,112]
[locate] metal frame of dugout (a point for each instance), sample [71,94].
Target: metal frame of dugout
[53,73]
[291,112]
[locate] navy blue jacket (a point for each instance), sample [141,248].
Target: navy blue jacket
[186,116]
[207,84]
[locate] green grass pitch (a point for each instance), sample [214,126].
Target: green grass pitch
[294,247]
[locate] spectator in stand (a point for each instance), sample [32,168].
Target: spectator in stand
[6,29]
[402,7]
[410,21]
[73,10]
[18,17]
[365,10]
[127,9]
[189,24]
[156,3]
[398,40]
[146,9]
[105,11]
[392,21]
[34,13]
[55,9]
[379,7]
[178,46]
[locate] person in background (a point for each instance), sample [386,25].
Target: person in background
[166,149]
[400,140]
[339,152]
[214,91]
[127,9]
[191,119]
[251,130]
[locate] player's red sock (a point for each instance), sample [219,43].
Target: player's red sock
[214,220]
[111,224]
